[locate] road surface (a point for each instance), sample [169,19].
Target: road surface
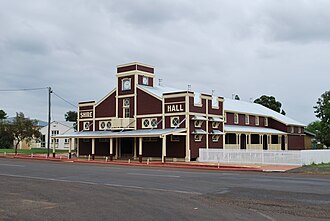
[44,190]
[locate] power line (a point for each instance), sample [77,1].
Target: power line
[23,89]
[68,102]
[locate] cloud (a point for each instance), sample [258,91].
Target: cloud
[250,48]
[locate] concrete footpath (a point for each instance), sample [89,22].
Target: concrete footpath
[183,165]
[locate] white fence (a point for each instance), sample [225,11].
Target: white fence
[274,157]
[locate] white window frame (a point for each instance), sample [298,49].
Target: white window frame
[247,119]
[299,130]
[257,120]
[266,121]
[86,125]
[145,78]
[172,118]
[215,124]
[125,111]
[215,137]
[198,137]
[236,118]
[146,120]
[122,84]
[225,117]
[153,120]
[126,102]
[198,123]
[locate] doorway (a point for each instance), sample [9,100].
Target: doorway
[243,141]
[126,148]
[265,142]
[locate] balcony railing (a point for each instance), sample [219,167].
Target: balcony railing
[122,123]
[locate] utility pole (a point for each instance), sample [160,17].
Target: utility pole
[49,111]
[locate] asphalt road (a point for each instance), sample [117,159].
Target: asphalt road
[42,190]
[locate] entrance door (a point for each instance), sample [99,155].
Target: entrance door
[243,141]
[283,143]
[265,142]
[126,146]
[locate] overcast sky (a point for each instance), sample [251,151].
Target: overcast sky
[250,48]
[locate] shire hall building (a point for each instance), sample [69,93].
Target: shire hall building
[139,119]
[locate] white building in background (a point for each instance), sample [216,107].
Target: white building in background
[56,128]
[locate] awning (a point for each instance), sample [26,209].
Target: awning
[199,131]
[198,117]
[249,129]
[216,119]
[217,132]
[118,134]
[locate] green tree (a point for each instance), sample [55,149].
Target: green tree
[6,137]
[314,126]
[270,102]
[24,129]
[322,111]
[71,116]
[3,115]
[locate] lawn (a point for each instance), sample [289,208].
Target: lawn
[33,150]
[322,168]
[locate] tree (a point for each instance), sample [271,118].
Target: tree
[71,116]
[3,115]
[6,137]
[322,111]
[237,97]
[314,127]
[24,129]
[270,102]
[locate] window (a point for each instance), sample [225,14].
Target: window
[126,84]
[230,138]
[149,123]
[126,102]
[43,141]
[175,121]
[86,125]
[55,132]
[215,124]
[66,141]
[255,139]
[215,138]
[102,125]
[247,119]
[266,121]
[198,123]
[145,123]
[105,125]
[299,130]
[126,113]
[109,125]
[154,122]
[56,141]
[145,80]
[257,120]
[175,138]
[198,137]
[274,139]
[235,118]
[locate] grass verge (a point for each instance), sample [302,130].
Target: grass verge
[322,168]
[33,150]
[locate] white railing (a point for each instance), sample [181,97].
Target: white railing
[273,157]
